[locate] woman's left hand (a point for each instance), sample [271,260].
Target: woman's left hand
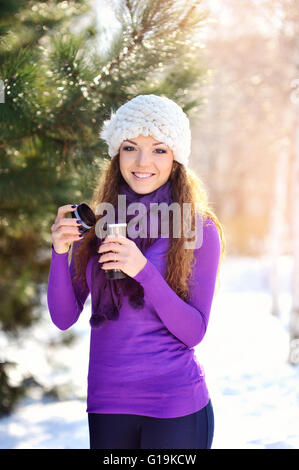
[126,253]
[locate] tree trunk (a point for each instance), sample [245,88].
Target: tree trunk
[294,318]
[277,223]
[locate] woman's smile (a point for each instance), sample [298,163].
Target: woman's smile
[142,177]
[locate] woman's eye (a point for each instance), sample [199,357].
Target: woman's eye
[128,147]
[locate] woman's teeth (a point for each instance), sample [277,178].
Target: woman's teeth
[143,176]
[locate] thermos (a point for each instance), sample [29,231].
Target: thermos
[88,220]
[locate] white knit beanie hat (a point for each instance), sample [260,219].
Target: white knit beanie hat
[157,116]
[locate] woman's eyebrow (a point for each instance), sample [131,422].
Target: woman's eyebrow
[135,143]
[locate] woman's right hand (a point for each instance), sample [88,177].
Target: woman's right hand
[64,230]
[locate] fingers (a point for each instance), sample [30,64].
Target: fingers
[61,220]
[66,228]
[65,238]
[115,247]
[70,222]
[62,210]
[110,257]
[118,239]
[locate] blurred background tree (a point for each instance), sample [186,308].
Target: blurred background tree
[245,139]
[59,87]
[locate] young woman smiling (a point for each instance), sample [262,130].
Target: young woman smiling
[146,388]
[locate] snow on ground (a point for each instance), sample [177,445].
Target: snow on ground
[254,390]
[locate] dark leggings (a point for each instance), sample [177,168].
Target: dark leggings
[128,431]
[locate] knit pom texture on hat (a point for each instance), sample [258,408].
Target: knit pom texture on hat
[149,115]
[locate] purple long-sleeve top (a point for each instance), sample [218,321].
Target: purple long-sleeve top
[144,363]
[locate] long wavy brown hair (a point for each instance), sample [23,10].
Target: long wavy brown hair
[187,187]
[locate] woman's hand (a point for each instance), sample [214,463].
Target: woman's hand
[65,230]
[126,253]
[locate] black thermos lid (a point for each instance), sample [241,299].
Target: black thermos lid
[86,215]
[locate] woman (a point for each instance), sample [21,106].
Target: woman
[146,388]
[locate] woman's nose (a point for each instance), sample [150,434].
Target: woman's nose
[143,158]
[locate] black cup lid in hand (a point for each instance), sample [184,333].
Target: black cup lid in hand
[86,215]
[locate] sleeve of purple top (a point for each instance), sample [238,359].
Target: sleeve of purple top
[65,296]
[186,320]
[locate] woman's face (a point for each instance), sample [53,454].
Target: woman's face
[151,158]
